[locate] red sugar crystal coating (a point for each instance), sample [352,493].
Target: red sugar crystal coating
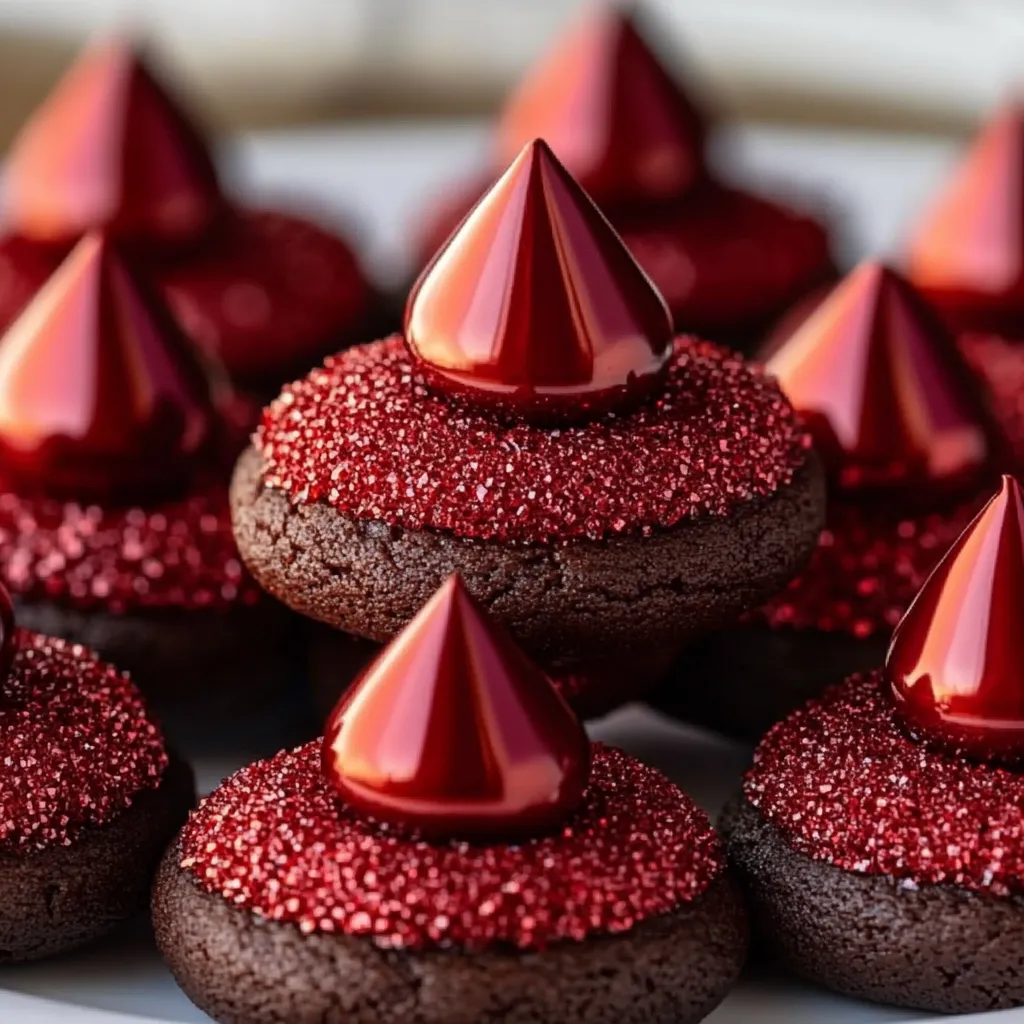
[265,289]
[844,783]
[77,745]
[176,554]
[364,435]
[867,568]
[275,840]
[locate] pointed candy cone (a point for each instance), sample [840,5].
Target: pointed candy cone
[956,663]
[610,111]
[454,731]
[109,149]
[101,395]
[535,302]
[967,252]
[883,387]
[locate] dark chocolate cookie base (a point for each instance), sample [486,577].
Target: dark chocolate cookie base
[205,659]
[936,948]
[669,970]
[335,659]
[742,680]
[56,899]
[577,602]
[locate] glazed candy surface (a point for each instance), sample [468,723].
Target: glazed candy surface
[454,731]
[955,664]
[535,304]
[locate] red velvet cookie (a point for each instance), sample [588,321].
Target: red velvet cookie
[606,490]
[880,835]
[912,449]
[270,293]
[727,262]
[89,793]
[114,455]
[454,829]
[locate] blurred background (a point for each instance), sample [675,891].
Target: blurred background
[919,65]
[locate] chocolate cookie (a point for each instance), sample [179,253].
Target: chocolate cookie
[239,968]
[879,838]
[937,947]
[624,594]
[62,897]
[90,795]
[498,867]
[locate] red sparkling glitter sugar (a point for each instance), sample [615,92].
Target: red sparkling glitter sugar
[77,745]
[365,435]
[109,149]
[534,303]
[274,839]
[844,783]
[967,252]
[610,110]
[868,566]
[955,664]
[454,731]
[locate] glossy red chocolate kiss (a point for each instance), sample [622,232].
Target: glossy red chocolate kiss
[101,396]
[968,249]
[956,662]
[612,113]
[883,388]
[535,303]
[454,731]
[110,149]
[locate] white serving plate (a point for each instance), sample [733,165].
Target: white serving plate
[875,182]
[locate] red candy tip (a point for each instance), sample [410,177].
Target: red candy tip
[110,149]
[535,303]
[882,387]
[971,240]
[101,395]
[611,111]
[453,731]
[956,662]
